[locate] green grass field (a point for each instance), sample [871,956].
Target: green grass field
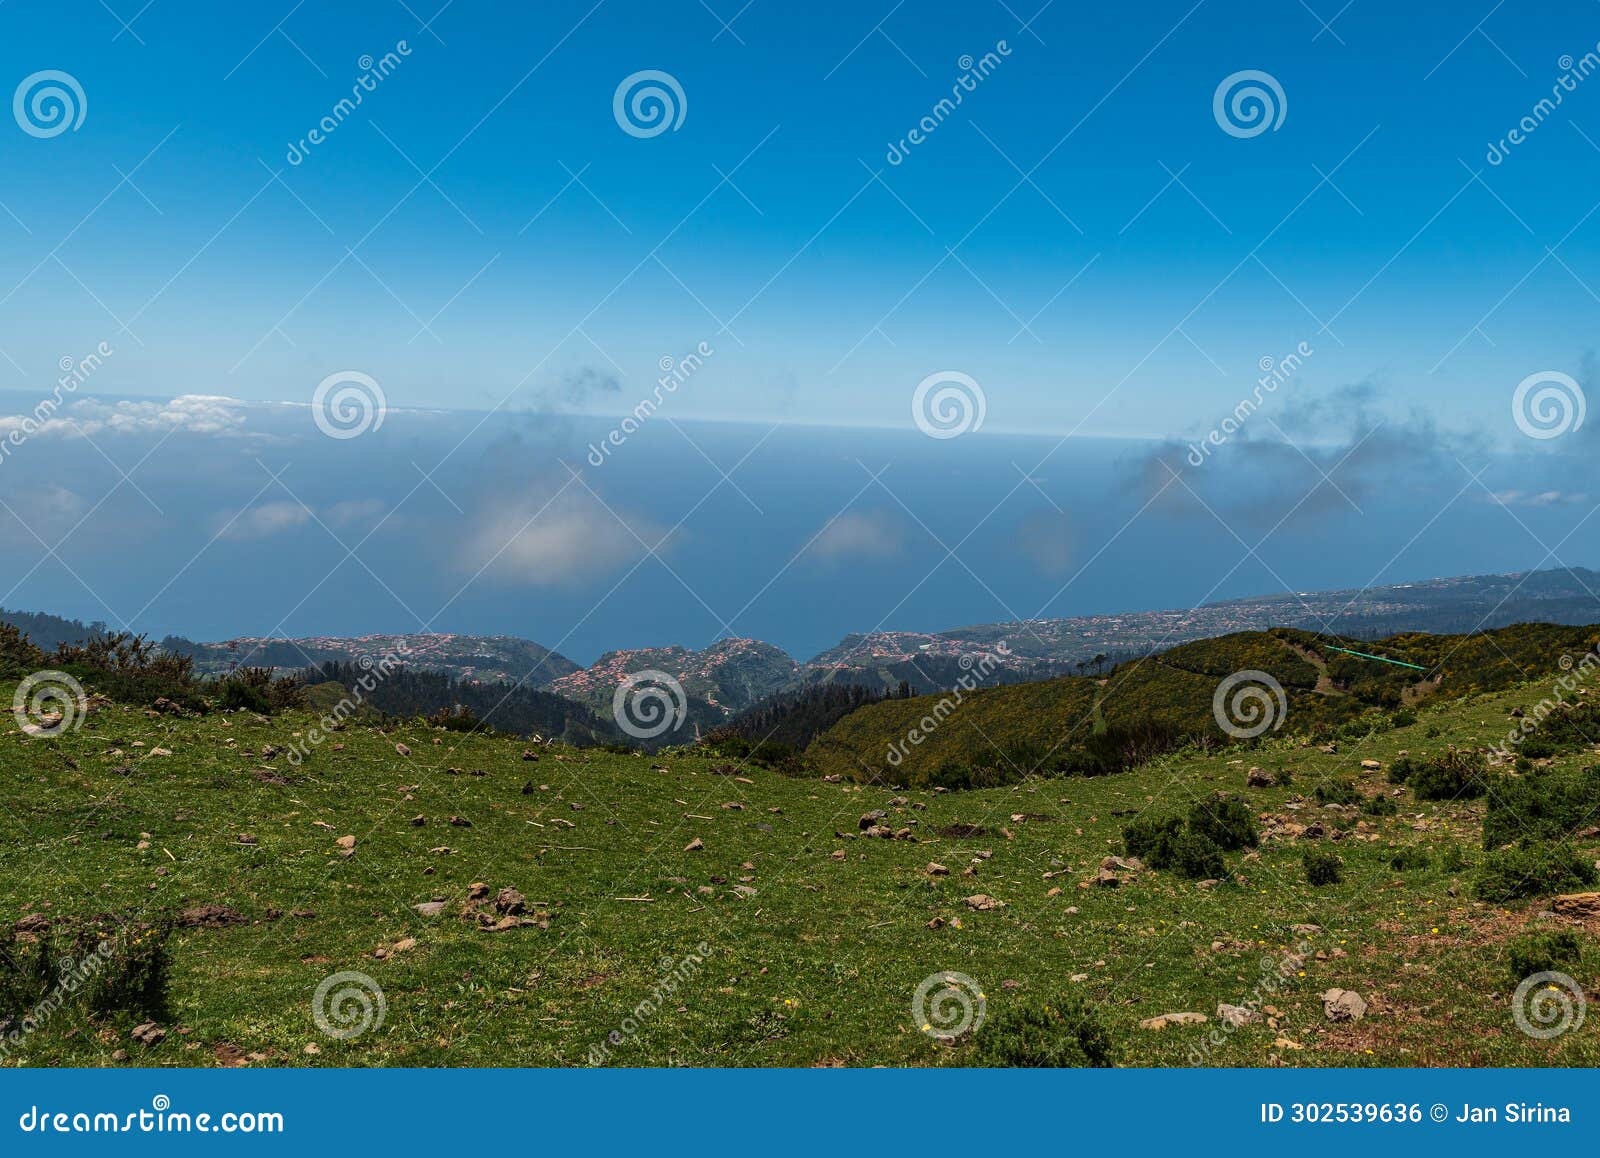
[813,938]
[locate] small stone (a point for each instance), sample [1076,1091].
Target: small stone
[983,903]
[148,1033]
[429,908]
[460,822]
[402,749]
[1343,1005]
[509,901]
[347,844]
[1237,1015]
[936,869]
[1167,1019]
[418,821]
[695,845]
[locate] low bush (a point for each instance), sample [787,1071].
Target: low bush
[1168,844]
[1056,1034]
[1379,805]
[1226,821]
[1338,791]
[1192,856]
[1543,805]
[101,966]
[1547,952]
[1409,858]
[1322,868]
[1400,771]
[1143,835]
[1455,774]
[1530,870]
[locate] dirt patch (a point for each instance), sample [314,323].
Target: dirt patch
[211,917]
[962,831]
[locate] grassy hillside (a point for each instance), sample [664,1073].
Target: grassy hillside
[1081,725]
[711,914]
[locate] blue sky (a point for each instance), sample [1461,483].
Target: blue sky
[1084,241]
[827,293]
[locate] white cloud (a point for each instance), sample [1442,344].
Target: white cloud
[570,539]
[47,512]
[342,514]
[860,534]
[188,413]
[263,520]
[1539,499]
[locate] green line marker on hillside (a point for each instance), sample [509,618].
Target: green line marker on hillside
[1379,658]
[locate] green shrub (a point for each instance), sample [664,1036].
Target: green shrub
[95,966]
[1044,1035]
[1404,718]
[1143,835]
[1226,821]
[1400,771]
[1379,805]
[1411,857]
[1452,859]
[1192,856]
[1322,868]
[1452,775]
[1338,791]
[1544,805]
[1530,870]
[1537,748]
[1544,953]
